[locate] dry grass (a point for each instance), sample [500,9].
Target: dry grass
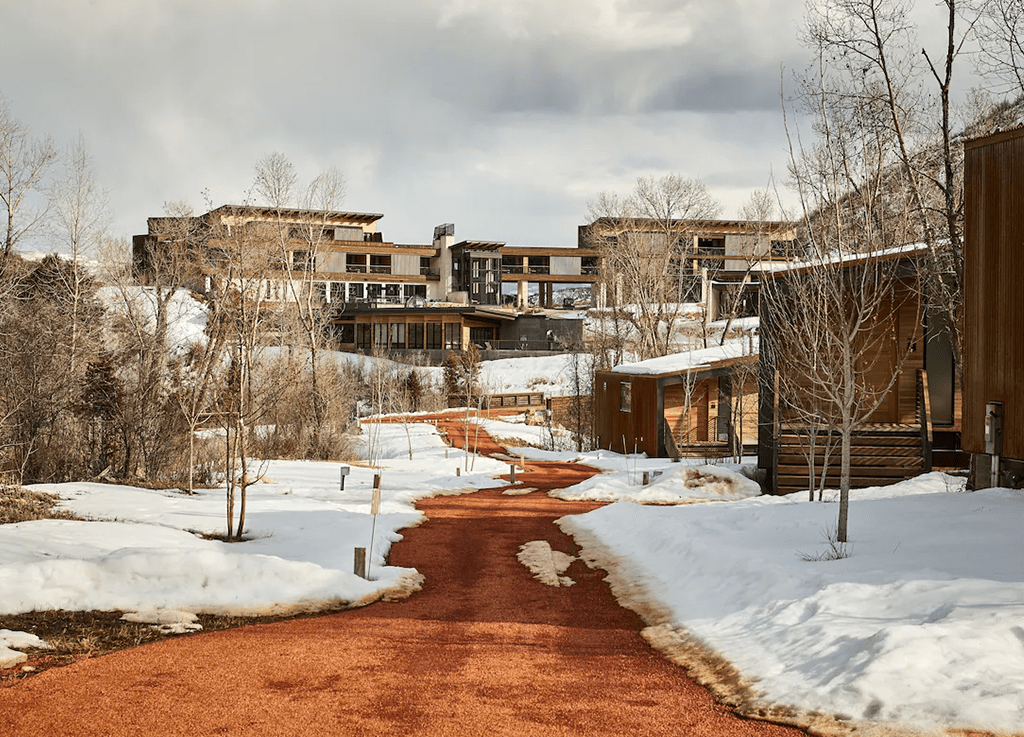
[18,504]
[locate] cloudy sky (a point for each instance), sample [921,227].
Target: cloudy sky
[503,116]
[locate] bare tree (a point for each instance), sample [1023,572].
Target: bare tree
[24,163]
[871,50]
[300,252]
[81,220]
[759,211]
[644,240]
[254,383]
[1000,34]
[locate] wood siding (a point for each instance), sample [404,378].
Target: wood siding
[638,428]
[993,294]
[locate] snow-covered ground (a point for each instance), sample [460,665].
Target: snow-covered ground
[921,625]
[143,549]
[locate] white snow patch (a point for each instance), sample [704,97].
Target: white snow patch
[546,565]
[168,621]
[12,642]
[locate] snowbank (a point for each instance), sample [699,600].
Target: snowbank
[920,625]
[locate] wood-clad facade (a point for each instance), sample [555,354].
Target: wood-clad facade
[994,304]
[903,436]
[651,413]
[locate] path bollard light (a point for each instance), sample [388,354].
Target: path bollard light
[360,563]
[458,470]
[345,471]
[512,473]
[647,477]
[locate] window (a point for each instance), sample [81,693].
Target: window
[346,333]
[380,334]
[625,397]
[424,265]
[373,291]
[435,336]
[356,291]
[453,336]
[481,335]
[380,264]
[355,263]
[511,264]
[320,291]
[588,266]
[301,260]
[415,290]
[337,292]
[363,337]
[393,292]
[416,335]
[397,333]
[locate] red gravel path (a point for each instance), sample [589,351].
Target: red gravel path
[484,649]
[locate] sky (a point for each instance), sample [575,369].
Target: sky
[505,118]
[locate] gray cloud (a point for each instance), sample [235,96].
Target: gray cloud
[503,117]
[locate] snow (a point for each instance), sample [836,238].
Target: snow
[692,360]
[678,483]
[186,317]
[142,550]
[11,644]
[920,625]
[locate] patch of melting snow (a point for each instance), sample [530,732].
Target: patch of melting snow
[546,564]
[12,642]
[168,621]
[518,491]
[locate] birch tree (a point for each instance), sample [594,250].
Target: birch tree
[24,164]
[276,184]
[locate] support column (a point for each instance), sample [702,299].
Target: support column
[523,300]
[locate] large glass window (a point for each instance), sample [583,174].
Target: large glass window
[435,335]
[356,291]
[396,330]
[363,336]
[416,335]
[453,336]
[355,263]
[626,397]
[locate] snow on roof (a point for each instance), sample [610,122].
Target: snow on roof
[849,258]
[704,358]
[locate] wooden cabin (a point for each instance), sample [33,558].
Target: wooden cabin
[699,403]
[993,426]
[916,422]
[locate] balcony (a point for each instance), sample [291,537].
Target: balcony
[382,269]
[355,268]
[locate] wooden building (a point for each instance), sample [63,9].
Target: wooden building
[993,426]
[917,421]
[699,403]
